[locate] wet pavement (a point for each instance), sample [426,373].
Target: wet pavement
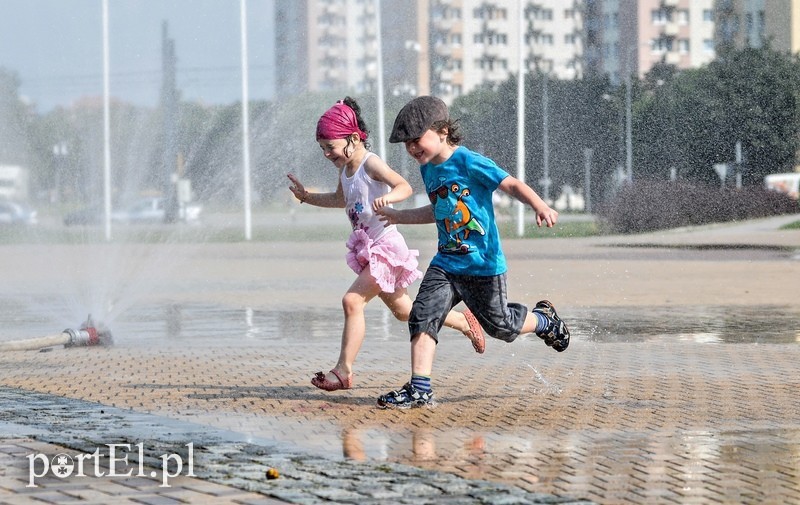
[680,385]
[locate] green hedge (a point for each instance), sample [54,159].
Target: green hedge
[647,206]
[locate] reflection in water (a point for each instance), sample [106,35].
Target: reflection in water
[418,446]
[675,466]
[207,323]
[173,313]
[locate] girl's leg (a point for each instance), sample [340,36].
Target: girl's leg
[363,289]
[400,304]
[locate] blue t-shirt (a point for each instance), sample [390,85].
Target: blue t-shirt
[460,190]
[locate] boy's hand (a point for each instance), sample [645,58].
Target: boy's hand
[546,216]
[388,215]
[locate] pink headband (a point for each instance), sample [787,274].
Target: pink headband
[338,122]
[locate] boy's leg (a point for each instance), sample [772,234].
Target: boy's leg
[486,298]
[550,327]
[434,300]
[416,392]
[423,351]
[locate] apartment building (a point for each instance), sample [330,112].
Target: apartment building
[635,35]
[753,23]
[477,43]
[326,45]
[451,47]
[445,47]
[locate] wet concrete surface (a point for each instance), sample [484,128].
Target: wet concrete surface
[680,385]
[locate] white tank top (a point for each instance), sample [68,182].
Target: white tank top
[360,191]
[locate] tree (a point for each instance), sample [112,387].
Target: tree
[15,122]
[694,120]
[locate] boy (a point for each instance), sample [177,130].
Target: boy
[470,265]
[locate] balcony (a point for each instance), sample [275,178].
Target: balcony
[671,30]
[442,49]
[672,58]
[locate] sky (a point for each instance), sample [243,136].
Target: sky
[56,49]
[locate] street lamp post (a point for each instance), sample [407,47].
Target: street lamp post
[60,156]
[521,116]
[628,129]
[546,182]
[379,82]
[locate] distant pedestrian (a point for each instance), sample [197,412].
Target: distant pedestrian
[377,253]
[470,265]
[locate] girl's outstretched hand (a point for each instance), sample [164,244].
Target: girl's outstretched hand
[379,203]
[297,188]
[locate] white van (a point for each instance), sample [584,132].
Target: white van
[785,183]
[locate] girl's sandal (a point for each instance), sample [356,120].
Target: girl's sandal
[475,332]
[321,382]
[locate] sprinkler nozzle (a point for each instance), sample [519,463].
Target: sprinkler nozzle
[89,333]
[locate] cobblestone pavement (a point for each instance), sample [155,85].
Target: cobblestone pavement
[680,385]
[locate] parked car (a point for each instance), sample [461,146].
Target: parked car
[152,210]
[144,210]
[17,213]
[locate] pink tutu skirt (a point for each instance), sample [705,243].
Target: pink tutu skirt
[390,261]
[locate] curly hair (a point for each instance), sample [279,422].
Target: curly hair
[351,102]
[451,127]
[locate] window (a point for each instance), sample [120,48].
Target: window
[708,15]
[661,45]
[683,46]
[660,16]
[708,45]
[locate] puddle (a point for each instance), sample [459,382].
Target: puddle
[221,325]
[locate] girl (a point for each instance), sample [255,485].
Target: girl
[377,253]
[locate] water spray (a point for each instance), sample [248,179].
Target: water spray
[88,334]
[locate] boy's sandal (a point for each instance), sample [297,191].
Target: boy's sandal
[475,333]
[321,382]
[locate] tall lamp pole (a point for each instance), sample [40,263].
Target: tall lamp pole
[248,222]
[545,142]
[106,128]
[521,117]
[379,84]
[628,114]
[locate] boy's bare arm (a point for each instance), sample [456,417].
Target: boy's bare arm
[420,215]
[525,194]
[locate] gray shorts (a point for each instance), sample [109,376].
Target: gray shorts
[484,296]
